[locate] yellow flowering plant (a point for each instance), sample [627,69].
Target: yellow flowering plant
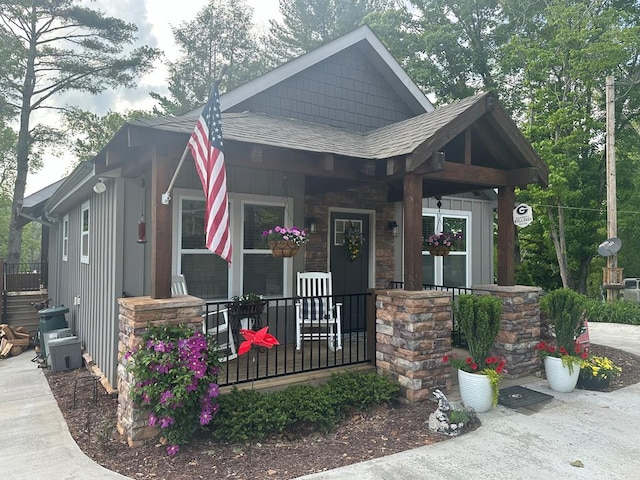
[599,368]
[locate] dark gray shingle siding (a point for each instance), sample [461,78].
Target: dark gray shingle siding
[345,91]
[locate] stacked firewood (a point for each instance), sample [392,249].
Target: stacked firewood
[13,340]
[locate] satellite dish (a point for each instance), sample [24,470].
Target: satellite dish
[609,247]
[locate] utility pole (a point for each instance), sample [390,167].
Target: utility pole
[613,277]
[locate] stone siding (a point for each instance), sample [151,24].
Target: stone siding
[413,333]
[520,328]
[137,314]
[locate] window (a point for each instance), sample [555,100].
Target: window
[254,268]
[65,238]
[449,270]
[205,273]
[261,272]
[84,233]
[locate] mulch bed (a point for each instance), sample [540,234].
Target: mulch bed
[380,431]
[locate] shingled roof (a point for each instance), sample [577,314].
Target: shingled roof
[401,138]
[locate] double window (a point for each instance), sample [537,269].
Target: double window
[254,269]
[451,270]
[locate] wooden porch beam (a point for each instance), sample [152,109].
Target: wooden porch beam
[412,232]
[484,176]
[506,237]
[435,164]
[256,153]
[160,228]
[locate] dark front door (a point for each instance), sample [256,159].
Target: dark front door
[350,275]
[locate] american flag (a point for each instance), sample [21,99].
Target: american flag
[206,148]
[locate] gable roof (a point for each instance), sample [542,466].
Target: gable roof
[370,46]
[428,132]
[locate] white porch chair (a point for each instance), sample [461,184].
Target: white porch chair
[316,311]
[178,285]
[220,318]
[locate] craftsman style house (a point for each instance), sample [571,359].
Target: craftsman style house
[338,137]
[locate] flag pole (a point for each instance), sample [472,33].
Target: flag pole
[166,196]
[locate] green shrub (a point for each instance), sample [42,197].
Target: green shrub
[566,311]
[619,311]
[247,414]
[355,390]
[479,317]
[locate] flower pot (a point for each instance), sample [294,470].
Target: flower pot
[589,382]
[475,391]
[558,375]
[283,248]
[439,251]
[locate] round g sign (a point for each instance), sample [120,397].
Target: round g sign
[522,215]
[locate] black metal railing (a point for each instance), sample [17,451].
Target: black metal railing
[457,337]
[279,314]
[24,277]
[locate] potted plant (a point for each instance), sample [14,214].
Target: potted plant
[596,372]
[248,304]
[479,375]
[285,241]
[565,309]
[440,244]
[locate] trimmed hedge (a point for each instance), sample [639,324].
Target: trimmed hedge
[248,414]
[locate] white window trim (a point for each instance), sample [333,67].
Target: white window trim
[438,261]
[85,208]
[236,221]
[65,238]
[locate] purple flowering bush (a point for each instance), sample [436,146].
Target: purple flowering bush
[175,372]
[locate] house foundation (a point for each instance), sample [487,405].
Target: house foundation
[520,327]
[136,315]
[413,333]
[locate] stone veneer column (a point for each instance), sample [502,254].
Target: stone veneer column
[413,333]
[520,328]
[137,314]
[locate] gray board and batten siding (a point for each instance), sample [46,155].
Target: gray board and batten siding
[97,285]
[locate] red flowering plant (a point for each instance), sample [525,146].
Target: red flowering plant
[492,366]
[570,358]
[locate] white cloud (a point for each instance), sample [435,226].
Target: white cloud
[154,20]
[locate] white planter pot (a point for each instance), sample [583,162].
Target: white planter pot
[558,375]
[475,391]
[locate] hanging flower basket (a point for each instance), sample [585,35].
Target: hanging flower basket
[284,241]
[283,248]
[439,251]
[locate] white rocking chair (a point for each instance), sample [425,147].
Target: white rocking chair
[220,320]
[315,310]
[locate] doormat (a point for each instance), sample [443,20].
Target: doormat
[518,397]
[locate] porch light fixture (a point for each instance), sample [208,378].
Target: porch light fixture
[100,187]
[394,227]
[311,225]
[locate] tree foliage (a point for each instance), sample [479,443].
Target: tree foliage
[219,36]
[307,24]
[557,64]
[55,46]
[88,133]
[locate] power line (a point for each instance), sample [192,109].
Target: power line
[583,208]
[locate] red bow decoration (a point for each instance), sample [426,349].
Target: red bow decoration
[260,338]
